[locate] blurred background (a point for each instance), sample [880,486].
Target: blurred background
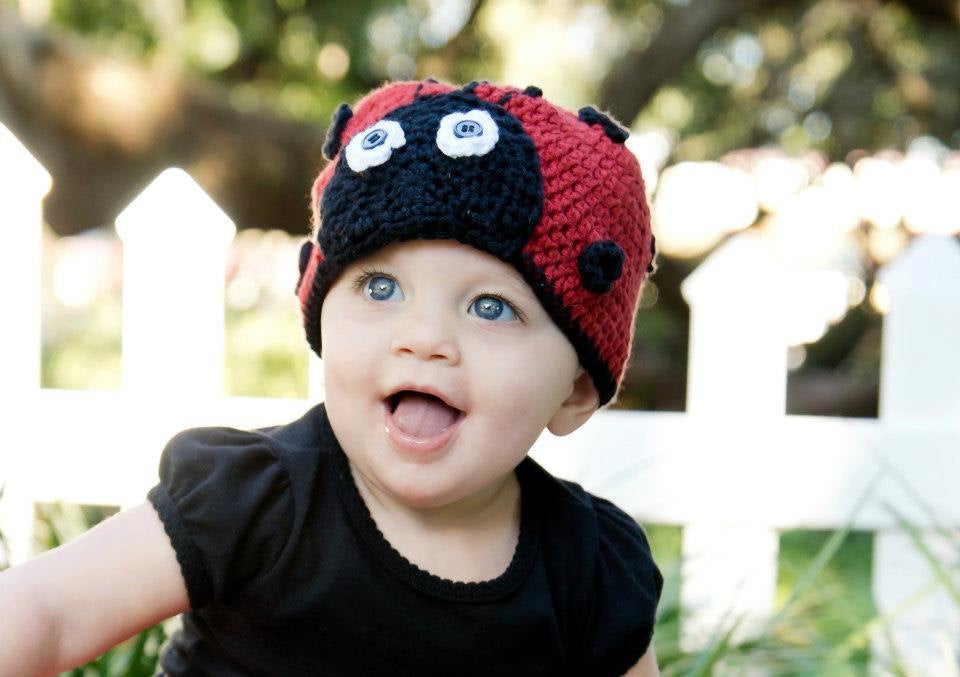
[832,123]
[830,128]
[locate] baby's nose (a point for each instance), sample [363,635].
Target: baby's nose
[427,336]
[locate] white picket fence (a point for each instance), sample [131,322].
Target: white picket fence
[732,470]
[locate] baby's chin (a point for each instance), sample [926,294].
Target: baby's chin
[410,485]
[438,489]
[429,496]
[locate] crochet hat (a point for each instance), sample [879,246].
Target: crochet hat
[555,194]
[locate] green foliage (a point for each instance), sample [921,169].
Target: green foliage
[829,75]
[825,617]
[665,544]
[824,610]
[117,23]
[266,351]
[832,75]
[137,657]
[82,348]
[267,53]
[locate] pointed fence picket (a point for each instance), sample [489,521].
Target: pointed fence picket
[732,471]
[174,253]
[23,185]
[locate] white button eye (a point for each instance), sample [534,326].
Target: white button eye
[470,133]
[374,145]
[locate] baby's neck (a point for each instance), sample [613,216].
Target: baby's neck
[469,541]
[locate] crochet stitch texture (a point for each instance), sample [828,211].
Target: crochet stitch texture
[555,194]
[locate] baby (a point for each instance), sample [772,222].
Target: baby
[476,263]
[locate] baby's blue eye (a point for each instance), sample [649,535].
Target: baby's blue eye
[492,308]
[380,288]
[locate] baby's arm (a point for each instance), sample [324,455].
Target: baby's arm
[646,666]
[71,604]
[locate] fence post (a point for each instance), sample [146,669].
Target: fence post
[919,388]
[23,184]
[737,356]
[174,255]
[737,369]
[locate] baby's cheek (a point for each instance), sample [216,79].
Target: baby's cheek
[535,386]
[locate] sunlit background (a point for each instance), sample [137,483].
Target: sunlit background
[830,127]
[828,130]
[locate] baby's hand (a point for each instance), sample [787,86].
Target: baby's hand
[71,604]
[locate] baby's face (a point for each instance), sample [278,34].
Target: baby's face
[446,319]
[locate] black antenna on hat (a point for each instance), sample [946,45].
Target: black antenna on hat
[614,131]
[331,145]
[416,94]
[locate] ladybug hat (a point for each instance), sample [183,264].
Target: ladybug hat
[555,194]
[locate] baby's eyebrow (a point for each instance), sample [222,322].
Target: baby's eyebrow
[517,290]
[516,285]
[519,287]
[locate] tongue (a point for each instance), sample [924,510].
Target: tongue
[423,415]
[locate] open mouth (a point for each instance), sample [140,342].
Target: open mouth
[421,415]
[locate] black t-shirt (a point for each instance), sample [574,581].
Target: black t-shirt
[287,573]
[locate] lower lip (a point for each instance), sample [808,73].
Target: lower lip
[420,448]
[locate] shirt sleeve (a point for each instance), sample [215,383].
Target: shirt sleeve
[224,500]
[626,589]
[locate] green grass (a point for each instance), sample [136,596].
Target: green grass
[837,604]
[823,605]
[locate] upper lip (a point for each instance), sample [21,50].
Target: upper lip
[427,390]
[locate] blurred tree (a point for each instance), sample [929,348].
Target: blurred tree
[833,75]
[107,93]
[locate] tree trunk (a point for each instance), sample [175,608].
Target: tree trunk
[104,128]
[638,74]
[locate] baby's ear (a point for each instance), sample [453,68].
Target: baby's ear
[577,408]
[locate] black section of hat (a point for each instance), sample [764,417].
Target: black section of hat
[491,201]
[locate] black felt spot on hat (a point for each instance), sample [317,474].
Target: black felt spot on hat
[533,90]
[592,116]
[652,266]
[340,117]
[601,264]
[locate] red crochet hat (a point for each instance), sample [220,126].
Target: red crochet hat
[555,194]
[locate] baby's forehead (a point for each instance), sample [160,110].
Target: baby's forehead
[446,259]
